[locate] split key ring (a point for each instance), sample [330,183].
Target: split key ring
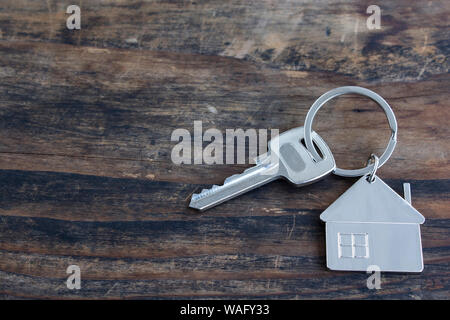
[346,90]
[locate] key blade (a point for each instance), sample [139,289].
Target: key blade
[234,186]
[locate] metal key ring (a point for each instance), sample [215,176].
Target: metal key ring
[345,90]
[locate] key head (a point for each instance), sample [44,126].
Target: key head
[296,164]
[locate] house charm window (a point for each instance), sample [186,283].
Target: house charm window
[353,245]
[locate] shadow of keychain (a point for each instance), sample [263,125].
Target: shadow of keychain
[370,224]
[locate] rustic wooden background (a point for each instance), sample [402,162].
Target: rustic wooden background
[86,120]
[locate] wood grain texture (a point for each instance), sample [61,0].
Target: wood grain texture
[86,119]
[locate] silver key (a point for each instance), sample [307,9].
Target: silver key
[286,158]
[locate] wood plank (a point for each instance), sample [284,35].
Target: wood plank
[113,229]
[294,35]
[73,197]
[126,131]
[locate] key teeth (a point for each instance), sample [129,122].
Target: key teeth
[231,178]
[207,192]
[204,193]
[193,202]
[194,197]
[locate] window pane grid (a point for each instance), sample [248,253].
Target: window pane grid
[353,245]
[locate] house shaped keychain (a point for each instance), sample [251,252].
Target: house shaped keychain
[370,224]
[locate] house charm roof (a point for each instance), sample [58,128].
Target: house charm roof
[371,202]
